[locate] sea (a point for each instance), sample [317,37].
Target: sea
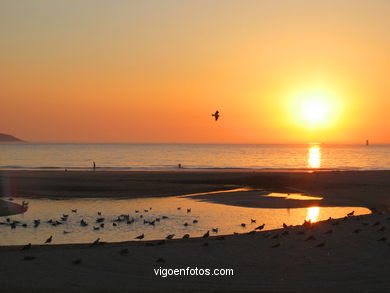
[139,156]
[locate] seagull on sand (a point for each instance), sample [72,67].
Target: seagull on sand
[140,236]
[207,234]
[27,246]
[261,227]
[170,236]
[96,242]
[215,115]
[37,223]
[48,240]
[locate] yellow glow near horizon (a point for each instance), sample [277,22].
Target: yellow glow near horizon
[312,214]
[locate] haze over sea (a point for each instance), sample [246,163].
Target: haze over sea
[193,156]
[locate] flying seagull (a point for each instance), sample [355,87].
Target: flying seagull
[216,115]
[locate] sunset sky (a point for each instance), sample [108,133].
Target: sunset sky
[154,71]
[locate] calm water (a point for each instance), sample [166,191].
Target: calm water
[168,156]
[226,218]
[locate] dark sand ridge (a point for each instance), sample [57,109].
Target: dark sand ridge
[369,189]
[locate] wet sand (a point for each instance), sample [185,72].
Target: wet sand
[353,257]
[369,189]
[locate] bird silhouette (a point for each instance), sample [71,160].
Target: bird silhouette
[140,236]
[96,242]
[27,246]
[207,234]
[261,227]
[215,115]
[170,236]
[48,240]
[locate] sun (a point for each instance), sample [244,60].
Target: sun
[314,109]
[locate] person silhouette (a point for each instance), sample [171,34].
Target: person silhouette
[94,166]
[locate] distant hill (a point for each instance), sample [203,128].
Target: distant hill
[9,138]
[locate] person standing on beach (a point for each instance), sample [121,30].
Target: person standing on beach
[94,166]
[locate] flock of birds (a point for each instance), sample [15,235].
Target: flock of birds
[101,221]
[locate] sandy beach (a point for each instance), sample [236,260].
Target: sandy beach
[345,255]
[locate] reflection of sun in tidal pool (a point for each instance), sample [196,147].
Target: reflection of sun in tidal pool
[312,214]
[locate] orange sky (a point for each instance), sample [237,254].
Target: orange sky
[154,71]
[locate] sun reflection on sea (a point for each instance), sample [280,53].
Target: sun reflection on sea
[312,214]
[314,156]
